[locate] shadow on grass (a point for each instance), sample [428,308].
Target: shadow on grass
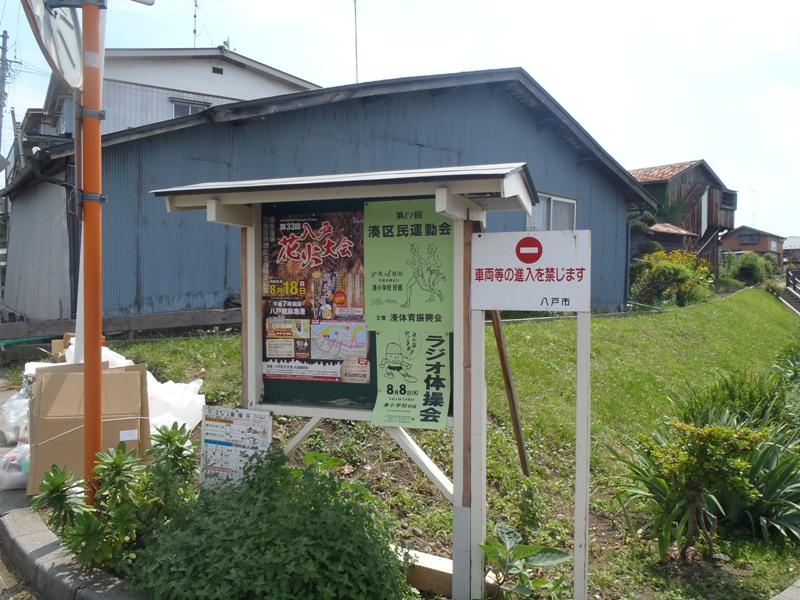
[697,579]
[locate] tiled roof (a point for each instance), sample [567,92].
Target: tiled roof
[662,172]
[670,229]
[792,243]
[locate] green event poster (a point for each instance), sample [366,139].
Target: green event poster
[408,297]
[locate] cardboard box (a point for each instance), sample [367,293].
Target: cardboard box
[57,416]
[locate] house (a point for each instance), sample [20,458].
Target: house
[750,239]
[791,250]
[693,198]
[140,87]
[484,117]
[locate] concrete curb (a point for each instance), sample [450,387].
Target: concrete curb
[43,561]
[790,593]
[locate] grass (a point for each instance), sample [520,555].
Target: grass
[637,363]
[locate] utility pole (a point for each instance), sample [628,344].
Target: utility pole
[3,79]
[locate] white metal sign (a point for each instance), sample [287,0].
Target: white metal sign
[534,270]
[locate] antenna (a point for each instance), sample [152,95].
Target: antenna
[355,27]
[194,29]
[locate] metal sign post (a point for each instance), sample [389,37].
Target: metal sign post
[550,271]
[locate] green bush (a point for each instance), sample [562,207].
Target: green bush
[677,277]
[283,533]
[772,266]
[679,473]
[131,500]
[750,269]
[649,247]
[740,398]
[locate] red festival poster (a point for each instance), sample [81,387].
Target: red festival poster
[313,292]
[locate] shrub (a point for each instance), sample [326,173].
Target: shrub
[750,269]
[679,473]
[775,474]
[283,533]
[131,500]
[650,246]
[677,277]
[737,398]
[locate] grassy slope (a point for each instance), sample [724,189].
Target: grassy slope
[636,364]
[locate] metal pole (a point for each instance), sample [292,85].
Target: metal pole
[3,78]
[582,450]
[92,239]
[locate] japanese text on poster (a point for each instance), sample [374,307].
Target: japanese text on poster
[313,289]
[408,251]
[231,436]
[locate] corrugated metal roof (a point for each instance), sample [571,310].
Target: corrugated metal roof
[670,229]
[516,80]
[662,172]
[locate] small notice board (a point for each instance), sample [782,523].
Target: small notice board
[231,436]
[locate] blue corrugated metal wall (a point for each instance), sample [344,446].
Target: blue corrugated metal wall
[158,262]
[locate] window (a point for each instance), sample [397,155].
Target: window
[562,214]
[182,108]
[748,238]
[552,213]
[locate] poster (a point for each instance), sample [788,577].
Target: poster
[230,437]
[313,290]
[408,251]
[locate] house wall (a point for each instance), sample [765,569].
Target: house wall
[766,243]
[160,262]
[37,280]
[131,105]
[196,75]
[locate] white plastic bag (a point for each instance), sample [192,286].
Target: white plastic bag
[14,415]
[172,402]
[14,468]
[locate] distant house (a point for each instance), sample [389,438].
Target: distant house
[481,117]
[693,198]
[791,250]
[750,239]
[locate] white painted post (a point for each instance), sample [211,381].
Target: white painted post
[254,315]
[478,456]
[461,513]
[582,449]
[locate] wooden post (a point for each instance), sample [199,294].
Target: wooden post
[511,395]
[243,307]
[254,316]
[582,449]
[469,417]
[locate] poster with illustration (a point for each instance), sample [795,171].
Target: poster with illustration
[408,251]
[313,297]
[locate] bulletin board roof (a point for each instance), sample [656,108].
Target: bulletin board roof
[503,182]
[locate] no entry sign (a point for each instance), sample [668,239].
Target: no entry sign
[529,249]
[542,270]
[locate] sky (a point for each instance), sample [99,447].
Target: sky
[652,82]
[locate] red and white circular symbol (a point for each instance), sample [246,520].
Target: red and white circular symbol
[529,250]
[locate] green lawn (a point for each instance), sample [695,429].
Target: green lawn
[637,362]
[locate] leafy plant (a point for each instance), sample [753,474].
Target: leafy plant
[282,533]
[740,397]
[514,565]
[131,499]
[750,269]
[677,277]
[679,474]
[62,495]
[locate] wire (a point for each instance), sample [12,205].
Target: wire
[3,14]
